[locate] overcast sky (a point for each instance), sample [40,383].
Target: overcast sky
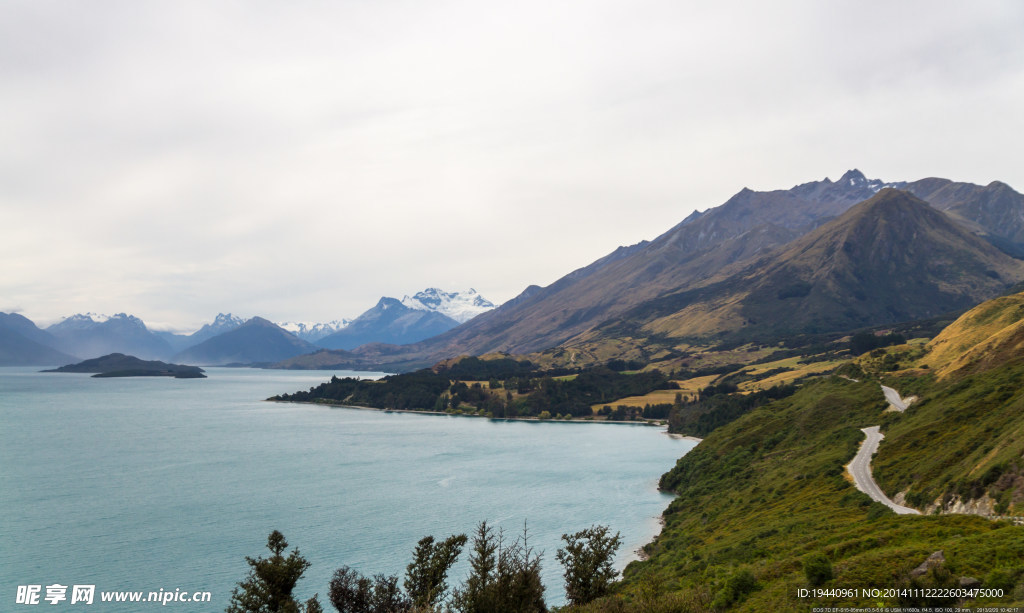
[298,160]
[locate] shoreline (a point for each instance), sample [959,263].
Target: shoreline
[638,554]
[639,422]
[684,437]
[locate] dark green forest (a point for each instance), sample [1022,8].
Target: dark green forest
[508,389]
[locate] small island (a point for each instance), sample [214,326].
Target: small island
[121,365]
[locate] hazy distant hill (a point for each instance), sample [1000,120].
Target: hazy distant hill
[224,322]
[24,344]
[92,336]
[257,340]
[27,328]
[177,342]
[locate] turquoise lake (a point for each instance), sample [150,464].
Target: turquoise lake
[146,483]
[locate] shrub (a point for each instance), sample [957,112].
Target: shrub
[817,569]
[735,589]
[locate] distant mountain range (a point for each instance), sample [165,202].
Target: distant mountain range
[782,261]
[232,339]
[821,257]
[90,335]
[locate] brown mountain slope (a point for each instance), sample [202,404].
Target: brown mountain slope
[892,258]
[748,224]
[994,211]
[691,257]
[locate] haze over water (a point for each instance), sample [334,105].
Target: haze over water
[149,483]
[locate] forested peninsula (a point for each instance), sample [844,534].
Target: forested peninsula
[502,388]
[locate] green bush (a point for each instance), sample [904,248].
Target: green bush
[736,587]
[817,569]
[1001,579]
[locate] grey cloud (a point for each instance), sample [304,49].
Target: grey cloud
[300,160]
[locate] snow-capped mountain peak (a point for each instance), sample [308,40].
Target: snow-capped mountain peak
[460,306]
[856,179]
[312,332]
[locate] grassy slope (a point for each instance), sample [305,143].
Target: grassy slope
[769,489]
[965,439]
[985,337]
[760,495]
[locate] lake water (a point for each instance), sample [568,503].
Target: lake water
[144,484]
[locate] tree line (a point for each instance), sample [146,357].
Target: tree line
[504,577]
[717,405]
[526,394]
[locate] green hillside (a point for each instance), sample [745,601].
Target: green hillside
[765,508]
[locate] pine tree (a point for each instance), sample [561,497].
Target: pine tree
[351,592]
[425,577]
[268,588]
[587,558]
[477,596]
[503,579]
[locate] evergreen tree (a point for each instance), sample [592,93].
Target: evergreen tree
[587,558]
[477,596]
[313,605]
[350,592]
[503,579]
[425,577]
[387,597]
[268,588]
[518,585]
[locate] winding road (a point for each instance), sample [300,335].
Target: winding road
[894,399]
[860,468]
